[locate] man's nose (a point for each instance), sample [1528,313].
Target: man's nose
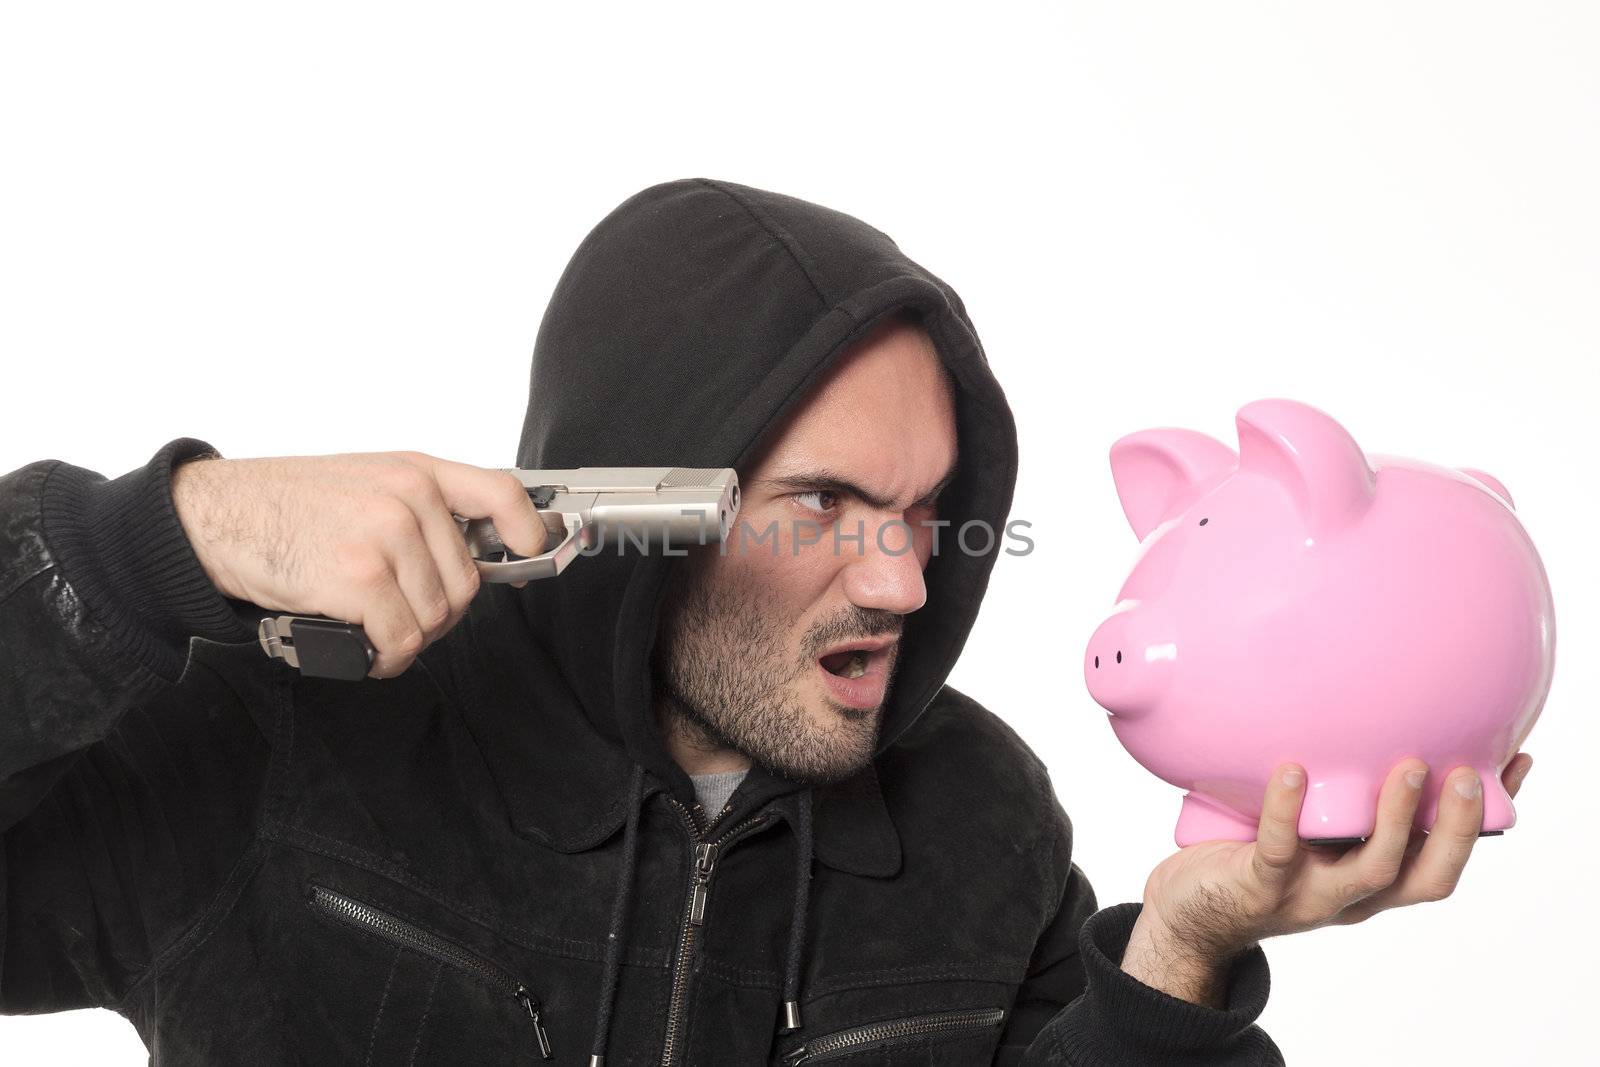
[884,571]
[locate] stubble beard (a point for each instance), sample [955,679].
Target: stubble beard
[723,678]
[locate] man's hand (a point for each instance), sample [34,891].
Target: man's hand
[1209,902]
[367,538]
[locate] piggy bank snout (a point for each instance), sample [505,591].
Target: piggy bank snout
[1127,665]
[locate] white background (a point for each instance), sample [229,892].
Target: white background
[330,227]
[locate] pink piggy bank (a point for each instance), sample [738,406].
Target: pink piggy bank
[1303,601]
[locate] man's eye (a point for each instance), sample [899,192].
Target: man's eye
[818,499]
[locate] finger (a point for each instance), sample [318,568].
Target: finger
[1516,772]
[416,572]
[479,493]
[1419,837]
[385,614]
[458,574]
[1367,908]
[1278,832]
[1376,864]
[1436,871]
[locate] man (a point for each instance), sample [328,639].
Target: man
[702,809]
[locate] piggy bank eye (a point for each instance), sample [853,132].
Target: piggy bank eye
[1204,521]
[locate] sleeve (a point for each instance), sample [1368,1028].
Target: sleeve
[128,777]
[1078,1007]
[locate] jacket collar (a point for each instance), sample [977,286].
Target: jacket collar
[565,786]
[853,830]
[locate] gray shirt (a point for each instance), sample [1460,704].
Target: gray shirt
[713,790]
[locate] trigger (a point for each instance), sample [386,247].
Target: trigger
[483,541]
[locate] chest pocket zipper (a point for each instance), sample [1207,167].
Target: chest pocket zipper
[881,1036]
[399,932]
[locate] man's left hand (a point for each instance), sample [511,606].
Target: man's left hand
[1209,902]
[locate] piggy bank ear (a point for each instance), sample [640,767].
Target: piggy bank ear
[1161,472]
[1310,455]
[1493,483]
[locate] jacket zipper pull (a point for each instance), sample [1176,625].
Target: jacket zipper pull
[538,1025]
[705,858]
[798,1056]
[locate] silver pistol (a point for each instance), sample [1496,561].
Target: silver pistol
[586,511]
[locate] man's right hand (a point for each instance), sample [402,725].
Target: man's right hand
[367,538]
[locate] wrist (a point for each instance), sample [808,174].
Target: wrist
[120,547]
[1163,960]
[193,490]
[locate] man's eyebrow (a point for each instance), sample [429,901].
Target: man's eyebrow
[832,482]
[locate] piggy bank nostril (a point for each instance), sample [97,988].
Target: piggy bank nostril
[1119,655]
[1097,662]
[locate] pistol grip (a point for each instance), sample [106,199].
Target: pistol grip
[318,647]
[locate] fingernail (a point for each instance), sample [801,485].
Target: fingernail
[1467,786]
[1292,778]
[1415,778]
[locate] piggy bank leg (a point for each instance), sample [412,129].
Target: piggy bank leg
[1204,819]
[1498,813]
[1339,809]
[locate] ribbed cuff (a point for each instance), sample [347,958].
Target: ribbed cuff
[121,547]
[1120,1020]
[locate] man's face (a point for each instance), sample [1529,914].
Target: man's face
[828,555]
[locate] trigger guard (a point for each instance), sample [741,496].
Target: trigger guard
[546,564]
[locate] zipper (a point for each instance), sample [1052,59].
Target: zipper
[399,932]
[694,915]
[890,1032]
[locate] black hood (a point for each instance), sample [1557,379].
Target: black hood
[687,323]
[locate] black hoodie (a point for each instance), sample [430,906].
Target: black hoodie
[688,322]
[256,867]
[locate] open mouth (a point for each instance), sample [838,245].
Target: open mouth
[848,664]
[857,675]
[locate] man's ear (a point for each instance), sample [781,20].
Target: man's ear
[1161,472]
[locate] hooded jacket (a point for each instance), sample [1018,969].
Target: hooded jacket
[493,858]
